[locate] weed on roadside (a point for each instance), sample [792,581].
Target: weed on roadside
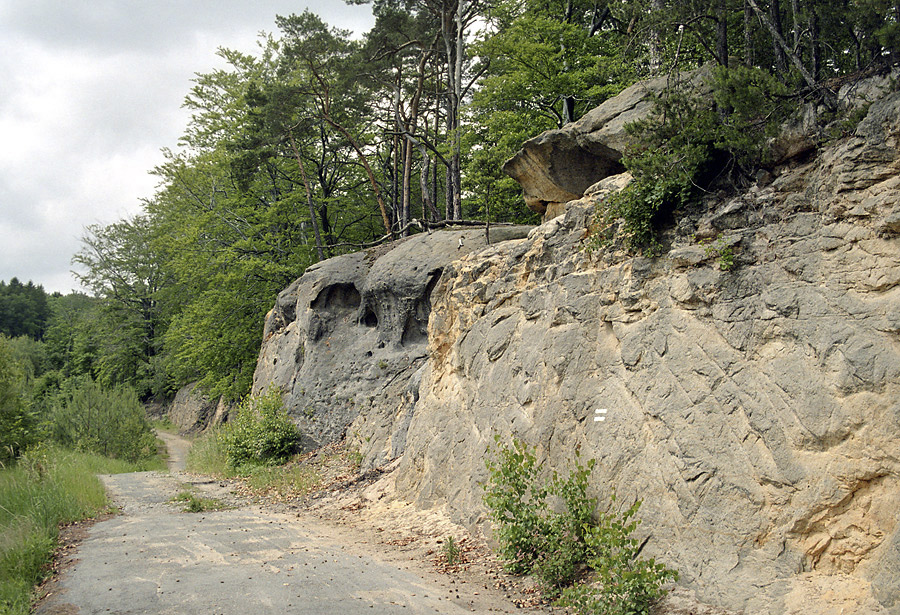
[195,504]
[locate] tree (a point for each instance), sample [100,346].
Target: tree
[314,55]
[121,267]
[23,309]
[18,424]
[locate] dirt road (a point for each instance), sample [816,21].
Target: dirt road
[155,558]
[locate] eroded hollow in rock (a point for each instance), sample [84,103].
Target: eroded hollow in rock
[415,329]
[337,297]
[369,318]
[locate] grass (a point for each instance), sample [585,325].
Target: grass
[48,487]
[194,503]
[288,480]
[208,456]
[164,424]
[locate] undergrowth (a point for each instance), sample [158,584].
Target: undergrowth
[255,446]
[260,432]
[549,529]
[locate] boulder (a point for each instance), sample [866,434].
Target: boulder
[193,412]
[557,166]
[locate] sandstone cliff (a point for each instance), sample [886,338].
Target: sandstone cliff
[348,340]
[755,411]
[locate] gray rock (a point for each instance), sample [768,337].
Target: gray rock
[560,165]
[194,412]
[754,411]
[346,342]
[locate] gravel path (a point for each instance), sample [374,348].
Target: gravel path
[155,558]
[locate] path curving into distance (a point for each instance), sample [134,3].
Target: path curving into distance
[154,558]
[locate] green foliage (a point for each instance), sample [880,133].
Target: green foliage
[195,504]
[451,551]
[24,309]
[261,433]
[627,584]
[108,422]
[208,455]
[557,546]
[18,422]
[687,145]
[532,537]
[721,251]
[48,486]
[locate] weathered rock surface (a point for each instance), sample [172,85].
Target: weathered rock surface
[346,341]
[194,412]
[755,411]
[558,166]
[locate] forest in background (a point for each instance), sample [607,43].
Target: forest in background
[316,144]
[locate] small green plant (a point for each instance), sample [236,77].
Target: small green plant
[533,539]
[557,546]
[382,364]
[195,504]
[451,551]
[261,432]
[721,251]
[626,584]
[355,457]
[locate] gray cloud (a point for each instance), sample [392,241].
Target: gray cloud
[91,92]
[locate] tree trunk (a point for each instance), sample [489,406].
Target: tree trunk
[815,50]
[320,252]
[774,26]
[748,34]
[655,40]
[722,32]
[827,95]
[795,15]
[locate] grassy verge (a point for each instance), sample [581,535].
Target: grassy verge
[48,487]
[295,478]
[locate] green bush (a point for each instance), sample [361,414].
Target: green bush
[18,423]
[261,433]
[558,546]
[687,145]
[532,538]
[626,583]
[108,422]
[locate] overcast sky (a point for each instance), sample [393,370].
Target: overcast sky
[90,91]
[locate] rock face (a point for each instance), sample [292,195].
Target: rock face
[346,341]
[193,412]
[558,166]
[755,411]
